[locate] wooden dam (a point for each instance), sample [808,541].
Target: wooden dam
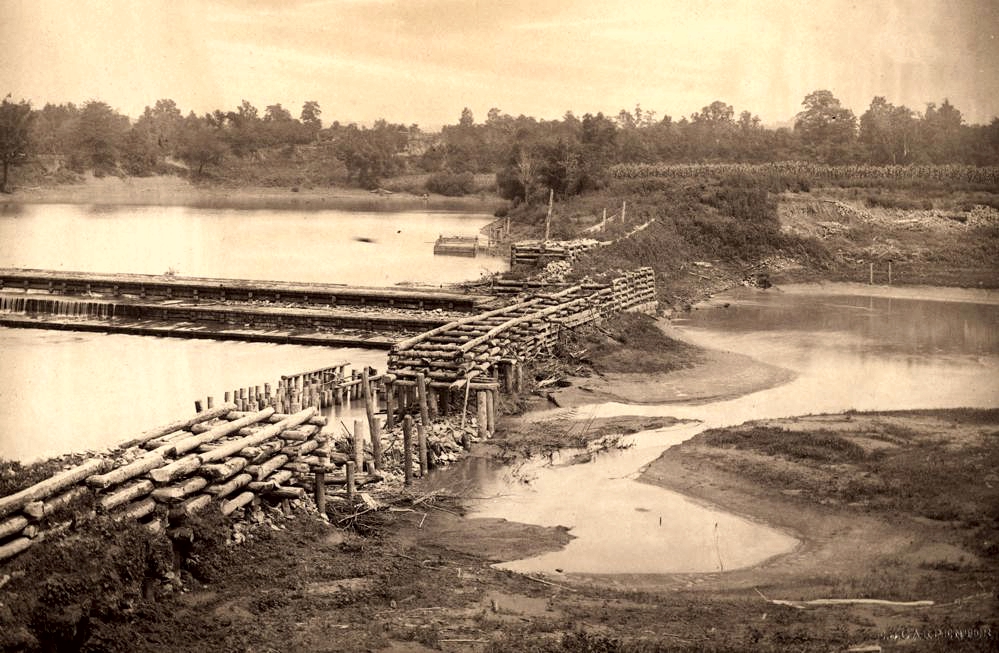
[270,444]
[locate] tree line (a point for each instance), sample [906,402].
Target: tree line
[527,155]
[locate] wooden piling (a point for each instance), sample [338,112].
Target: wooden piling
[197,406]
[482,414]
[358,443]
[421,434]
[407,449]
[211,403]
[389,404]
[351,486]
[373,426]
[421,390]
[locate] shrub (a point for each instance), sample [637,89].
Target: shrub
[451,184]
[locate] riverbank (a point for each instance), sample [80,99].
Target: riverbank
[168,190]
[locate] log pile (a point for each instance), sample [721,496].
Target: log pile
[529,252]
[221,458]
[491,344]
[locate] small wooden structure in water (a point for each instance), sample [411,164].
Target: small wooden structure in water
[456,246]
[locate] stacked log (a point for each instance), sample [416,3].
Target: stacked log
[529,252]
[220,457]
[472,348]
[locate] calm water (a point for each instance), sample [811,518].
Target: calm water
[354,248]
[848,351]
[65,392]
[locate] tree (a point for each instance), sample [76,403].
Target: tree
[940,133]
[15,135]
[467,119]
[310,117]
[100,134]
[826,128]
[200,144]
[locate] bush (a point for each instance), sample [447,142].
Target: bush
[451,184]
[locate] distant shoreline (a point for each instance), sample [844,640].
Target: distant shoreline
[174,191]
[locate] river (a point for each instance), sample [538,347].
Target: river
[849,347]
[329,246]
[65,392]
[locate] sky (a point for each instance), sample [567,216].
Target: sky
[422,61]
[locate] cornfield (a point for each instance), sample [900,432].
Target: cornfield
[955,173]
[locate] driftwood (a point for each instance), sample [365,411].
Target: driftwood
[50,486]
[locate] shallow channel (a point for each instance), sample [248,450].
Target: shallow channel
[849,347]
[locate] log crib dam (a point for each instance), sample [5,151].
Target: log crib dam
[226,309]
[439,394]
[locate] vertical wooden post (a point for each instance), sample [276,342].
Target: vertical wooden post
[482,414]
[389,404]
[548,219]
[211,403]
[321,489]
[421,434]
[624,211]
[491,405]
[197,406]
[603,223]
[369,407]
[871,281]
[889,273]
[227,396]
[407,449]
[421,390]
[351,487]
[358,444]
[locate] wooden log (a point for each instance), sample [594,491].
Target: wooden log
[263,470]
[180,467]
[137,467]
[231,506]
[14,547]
[13,525]
[125,495]
[39,509]
[196,504]
[315,420]
[491,411]
[50,486]
[227,449]
[176,493]
[193,442]
[407,449]
[230,486]
[137,510]
[301,449]
[220,471]
[421,393]
[181,425]
[286,492]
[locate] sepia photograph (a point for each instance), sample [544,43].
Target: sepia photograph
[545,326]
